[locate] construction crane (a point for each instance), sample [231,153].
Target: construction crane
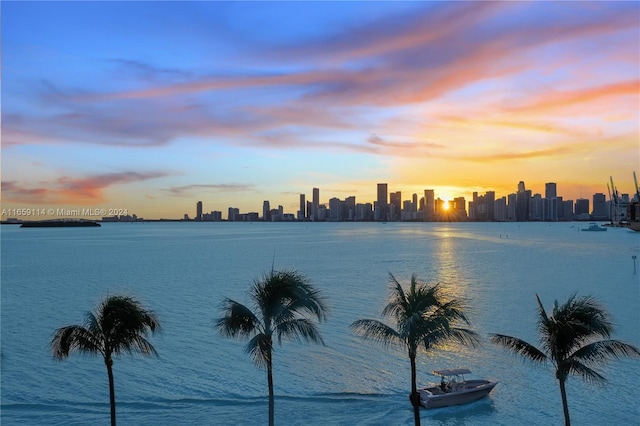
[611,206]
[614,217]
[633,211]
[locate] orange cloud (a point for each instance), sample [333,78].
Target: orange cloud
[73,190]
[561,99]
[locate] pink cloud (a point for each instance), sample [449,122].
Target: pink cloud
[73,190]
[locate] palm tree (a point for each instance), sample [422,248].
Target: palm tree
[424,317]
[283,301]
[569,339]
[119,324]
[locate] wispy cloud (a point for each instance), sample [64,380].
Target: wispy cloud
[73,190]
[397,60]
[188,190]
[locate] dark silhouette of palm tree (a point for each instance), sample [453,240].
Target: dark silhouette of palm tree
[569,339]
[119,324]
[424,317]
[283,302]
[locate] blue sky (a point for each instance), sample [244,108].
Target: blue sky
[151,106]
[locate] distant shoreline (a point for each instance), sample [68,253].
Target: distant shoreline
[20,222]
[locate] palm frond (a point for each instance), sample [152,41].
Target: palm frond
[580,369]
[299,329]
[585,317]
[398,302]
[74,338]
[376,331]
[605,350]
[519,346]
[260,347]
[465,336]
[237,320]
[135,343]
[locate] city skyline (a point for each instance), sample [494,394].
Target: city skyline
[150,106]
[597,204]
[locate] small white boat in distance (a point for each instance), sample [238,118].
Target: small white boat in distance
[594,227]
[454,389]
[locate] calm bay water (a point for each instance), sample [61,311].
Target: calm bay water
[182,271]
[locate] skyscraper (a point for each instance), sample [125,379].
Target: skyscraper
[551,202]
[316,203]
[599,207]
[429,204]
[382,202]
[581,210]
[199,210]
[303,205]
[550,190]
[266,211]
[522,203]
[395,204]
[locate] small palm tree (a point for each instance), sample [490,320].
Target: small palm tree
[569,339]
[283,301]
[119,324]
[424,317]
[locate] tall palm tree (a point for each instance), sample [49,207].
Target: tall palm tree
[119,324]
[569,339]
[424,317]
[283,301]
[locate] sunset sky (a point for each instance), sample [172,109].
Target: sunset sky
[152,106]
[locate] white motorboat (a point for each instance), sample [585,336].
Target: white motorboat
[454,389]
[594,227]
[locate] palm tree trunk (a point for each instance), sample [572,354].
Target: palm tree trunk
[112,391]
[270,384]
[565,405]
[415,397]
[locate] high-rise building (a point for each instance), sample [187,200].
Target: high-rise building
[550,190]
[350,208]
[395,204]
[302,212]
[581,210]
[500,209]
[199,210]
[316,203]
[599,207]
[567,210]
[459,208]
[381,209]
[551,202]
[511,207]
[266,211]
[233,212]
[429,205]
[536,207]
[522,203]
[335,209]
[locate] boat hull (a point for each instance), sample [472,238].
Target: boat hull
[466,392]
[59,223]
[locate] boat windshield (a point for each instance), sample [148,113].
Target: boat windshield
[452,372]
